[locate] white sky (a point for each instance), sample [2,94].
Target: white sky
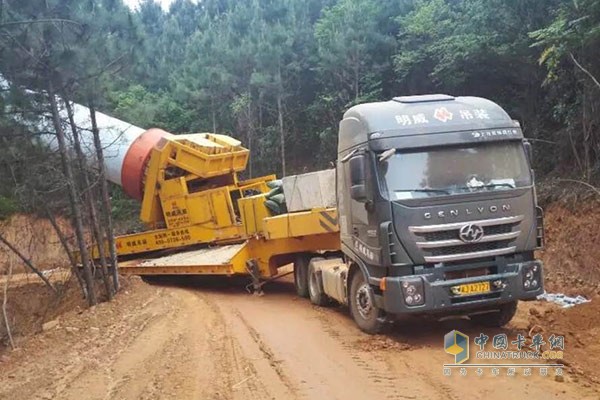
[164,3]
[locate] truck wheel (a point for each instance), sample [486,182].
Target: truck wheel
[315,287]
[366,314]
[301,275]
[498,318]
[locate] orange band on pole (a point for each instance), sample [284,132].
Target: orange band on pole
[136,158]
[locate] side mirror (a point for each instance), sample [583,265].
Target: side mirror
[528,151]
[358,188]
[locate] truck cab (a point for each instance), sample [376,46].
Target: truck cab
[437,210]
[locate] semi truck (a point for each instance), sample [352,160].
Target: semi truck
[435,212]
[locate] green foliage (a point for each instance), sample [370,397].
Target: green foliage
[125,211]
[140,107]
[8,207]
[266,71]
[349,42]
[574,31]
[467,44]
[570,46]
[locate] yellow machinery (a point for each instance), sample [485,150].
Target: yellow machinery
[192,196]
[258,255]
[190,188]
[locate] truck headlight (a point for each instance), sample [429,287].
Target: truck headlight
[532,277]
[529,274]
[413,292]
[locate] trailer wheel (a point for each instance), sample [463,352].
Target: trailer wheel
[301,275]
[363,309]
[498,318]
[315,286]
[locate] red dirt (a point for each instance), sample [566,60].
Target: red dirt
[201,340]
[30,304]
[572,266]
[572,254]
[36,239]
[580,326]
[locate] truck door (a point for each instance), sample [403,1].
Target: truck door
[360,205]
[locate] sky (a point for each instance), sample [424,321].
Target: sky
[164,3]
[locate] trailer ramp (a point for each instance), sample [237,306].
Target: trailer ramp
[218,260]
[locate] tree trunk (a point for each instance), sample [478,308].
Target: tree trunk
[91,201]
[356,76]
[260,109]
[5,301]
[28,263]
[213,114]
[106,205]
[280,120]
[586,135]
[250,136]
[73,198]
[281,133]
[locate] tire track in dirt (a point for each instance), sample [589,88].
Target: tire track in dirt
[328,357]
[252,363]
[266,351]
[391,383]
[130,362]
[206,341]
[178,346]
[308,347]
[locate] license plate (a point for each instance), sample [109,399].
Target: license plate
[471,288]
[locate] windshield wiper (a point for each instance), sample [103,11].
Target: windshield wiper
[491,185]
[504,184]
[424,190]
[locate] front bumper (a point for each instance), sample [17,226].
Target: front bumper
[438,296]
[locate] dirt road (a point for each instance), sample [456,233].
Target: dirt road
[208,340]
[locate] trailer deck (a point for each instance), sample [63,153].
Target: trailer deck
[282,237]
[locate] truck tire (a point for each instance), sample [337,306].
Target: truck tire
[315,286]
[366,314]
[498,318]
[301,275]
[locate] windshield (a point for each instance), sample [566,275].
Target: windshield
[452,170]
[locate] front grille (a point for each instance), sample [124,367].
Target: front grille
[469,248]
[442,235]
[453,234]
[496,229]
[468,273]
[442,243]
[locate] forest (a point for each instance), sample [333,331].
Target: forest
[279,74]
